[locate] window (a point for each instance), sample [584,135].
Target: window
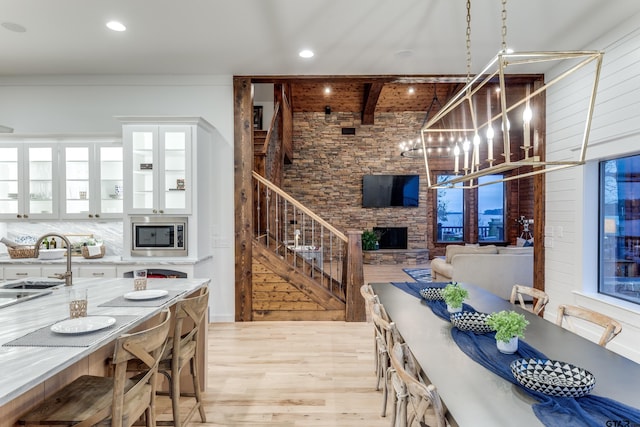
[491,209]
[449,215]
[619,223]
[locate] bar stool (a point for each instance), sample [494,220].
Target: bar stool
[182,349]
[111,401]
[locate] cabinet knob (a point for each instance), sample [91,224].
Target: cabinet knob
[161,211]
[90,215]
[155,211]
[97,215]
[26,216]
[18,216]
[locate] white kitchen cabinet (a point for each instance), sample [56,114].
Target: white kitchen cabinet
[158,165]
[106,272]
[28,179]
[22,272]
[92,180]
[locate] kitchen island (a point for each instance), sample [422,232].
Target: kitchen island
[30,373]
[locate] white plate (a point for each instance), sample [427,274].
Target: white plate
[146,294]
[81,325]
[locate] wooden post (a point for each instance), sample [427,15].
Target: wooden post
[353,278]
[243,195]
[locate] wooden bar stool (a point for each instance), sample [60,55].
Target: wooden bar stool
[115,401]
[182,349]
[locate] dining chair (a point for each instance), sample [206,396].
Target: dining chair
[182,349]
[418,403]
[540,298]
[117,401]
[384,341]
[611,327]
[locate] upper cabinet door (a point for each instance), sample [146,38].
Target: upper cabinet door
[28,181]
[160,165]
[92,183]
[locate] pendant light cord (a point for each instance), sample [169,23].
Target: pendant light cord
[504,26]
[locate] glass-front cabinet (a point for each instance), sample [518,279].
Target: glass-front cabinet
[160,161]
[92,180]
[28,180]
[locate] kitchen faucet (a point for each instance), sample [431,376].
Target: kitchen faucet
[66,276]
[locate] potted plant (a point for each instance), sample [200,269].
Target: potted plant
[369,240]
[454,295]
[509,326]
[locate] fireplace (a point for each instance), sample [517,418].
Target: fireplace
[392,237]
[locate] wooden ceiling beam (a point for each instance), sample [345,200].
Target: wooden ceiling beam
[371,96]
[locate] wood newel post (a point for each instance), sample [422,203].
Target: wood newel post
[353,278]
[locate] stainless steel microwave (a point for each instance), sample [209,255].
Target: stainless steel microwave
[159,236]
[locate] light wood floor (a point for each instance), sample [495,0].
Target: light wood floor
[294,373]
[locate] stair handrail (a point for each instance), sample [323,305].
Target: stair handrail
[340,235]
[276,111]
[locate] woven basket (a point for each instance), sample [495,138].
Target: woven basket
[85,253]
[26,252]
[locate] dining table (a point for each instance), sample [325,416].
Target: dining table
[37,354]
[476,396]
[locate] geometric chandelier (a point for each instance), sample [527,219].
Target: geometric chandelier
[476,120]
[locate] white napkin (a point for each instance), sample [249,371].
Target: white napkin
[93,250]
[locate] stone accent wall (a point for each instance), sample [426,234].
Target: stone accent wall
[327,170]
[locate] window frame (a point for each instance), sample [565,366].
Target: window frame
[614,265]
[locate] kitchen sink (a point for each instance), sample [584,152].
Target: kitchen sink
[33,283]
[15,296]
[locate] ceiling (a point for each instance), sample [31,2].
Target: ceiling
[263,37]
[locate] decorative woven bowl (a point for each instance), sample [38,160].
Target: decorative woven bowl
[471,321]
[432,294]
[85,253]
[553,377]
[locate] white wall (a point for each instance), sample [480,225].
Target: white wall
[572,194]
[88,104]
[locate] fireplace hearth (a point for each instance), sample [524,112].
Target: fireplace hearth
[392,237]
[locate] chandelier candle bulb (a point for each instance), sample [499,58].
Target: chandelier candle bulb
[456,154]
[465,148]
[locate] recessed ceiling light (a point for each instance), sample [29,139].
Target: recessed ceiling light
[116,26]
[306,53]
[12,26]
[327,90]
[411,90]
[406,53]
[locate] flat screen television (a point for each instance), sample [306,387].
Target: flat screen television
[379,191]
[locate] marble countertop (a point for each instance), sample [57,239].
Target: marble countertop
[108,260]
[25,367]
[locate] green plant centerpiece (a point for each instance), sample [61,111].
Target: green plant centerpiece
[453,294]
[370,240]
[509,326]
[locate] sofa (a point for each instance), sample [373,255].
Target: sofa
[493,268]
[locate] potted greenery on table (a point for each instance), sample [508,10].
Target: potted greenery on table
[454,295]
[509,326]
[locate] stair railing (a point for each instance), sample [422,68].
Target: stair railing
[310,244]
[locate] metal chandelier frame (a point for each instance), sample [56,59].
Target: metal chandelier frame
[465,97]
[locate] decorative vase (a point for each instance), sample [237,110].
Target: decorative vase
[509,347]
[454,310]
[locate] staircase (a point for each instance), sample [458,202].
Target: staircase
[303,268]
